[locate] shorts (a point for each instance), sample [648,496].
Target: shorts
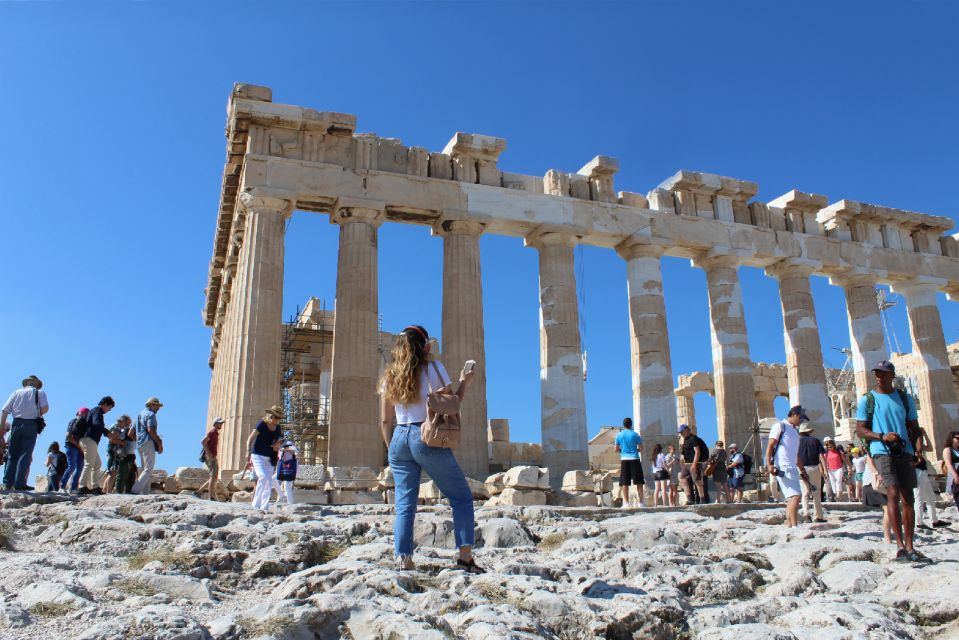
[896,472]
[631,472]
[736,483]
[210,463]
[872,498]
[695,471]
[858,477]
[789,482]
[660,475]
[113,460]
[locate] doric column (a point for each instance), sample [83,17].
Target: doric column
[256,304]
[804,365]
[355,439]
[685,409]
[868,345]
[654,409]
[732,365]
[565,446]
[766,404]
[463,337]
[937,396]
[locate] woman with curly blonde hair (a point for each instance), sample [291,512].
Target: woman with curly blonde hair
[407,382]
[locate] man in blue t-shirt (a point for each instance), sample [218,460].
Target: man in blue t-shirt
[886,419]
[630,447]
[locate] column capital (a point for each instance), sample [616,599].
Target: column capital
[630,249]
[458,227]
[719,256]
[358,210]
[793,267]
[919,285]
[251,200]
[856,278]
[543,238]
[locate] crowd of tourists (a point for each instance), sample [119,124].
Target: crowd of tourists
[76,468]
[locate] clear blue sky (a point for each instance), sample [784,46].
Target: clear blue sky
[111,130]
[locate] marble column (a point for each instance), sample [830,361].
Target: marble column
[355,439]
[565,445]
[257,306]
[868,343]
[463,337]
[938,412]
[732,365]
[685,409]
[654,408]
[804,363]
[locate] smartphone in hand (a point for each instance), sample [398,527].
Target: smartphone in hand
[470,364]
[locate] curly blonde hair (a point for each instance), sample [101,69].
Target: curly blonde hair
[401,382]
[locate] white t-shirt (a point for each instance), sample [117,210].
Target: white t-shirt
[660,463]
[859,464]
[739,470]
[788,446]
[416,412]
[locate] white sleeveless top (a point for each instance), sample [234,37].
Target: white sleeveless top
[416,412]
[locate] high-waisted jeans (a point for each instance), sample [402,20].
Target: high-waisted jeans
[71,477]
[408,457]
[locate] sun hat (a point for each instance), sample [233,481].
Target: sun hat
[855,450]
[827,439]
[733,446]
[30,379]
[806,428]
[218,420]
[154,400]
[276,411]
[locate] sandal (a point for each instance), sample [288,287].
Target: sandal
[470,567]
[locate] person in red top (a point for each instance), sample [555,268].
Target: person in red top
[836,468]
[211,447]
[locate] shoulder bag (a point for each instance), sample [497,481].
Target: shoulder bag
[442,425]
[41,423]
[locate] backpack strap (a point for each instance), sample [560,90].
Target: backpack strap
[870,406]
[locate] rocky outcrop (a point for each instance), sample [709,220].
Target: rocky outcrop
[174,567]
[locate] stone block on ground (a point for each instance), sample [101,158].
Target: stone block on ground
[240,482]
[242,496]
[310,496]
[578,480]
[351,478]
[157,479]
[171,486]
[566,498]
[430,492]
[501,453]
[518,497]
[343,496]
[479,490]
[498,430]
[494,483]
[191,478]
[41,482]
[310,476]
[385,480]
[527,478]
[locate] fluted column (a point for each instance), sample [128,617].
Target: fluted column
[938,412]
[257,306]
[685,409]
[355,438]
[804,364]
[565,446]
[654,409]
[732,365]
[868,344]
[463,337]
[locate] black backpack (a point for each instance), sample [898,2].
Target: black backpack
[747,463]
[703,449]
[61,463]
[78,426]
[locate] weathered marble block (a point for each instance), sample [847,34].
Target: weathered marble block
[527,478]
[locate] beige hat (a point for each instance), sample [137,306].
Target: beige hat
[154,400]
[805,428]
[276,411]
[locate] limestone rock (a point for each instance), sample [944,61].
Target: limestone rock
[385,479]
[503,532]
[527,478]
[518,497]
[498,430]
[494,483]
[479,489]
[356,497]
[309,476]
[191,478]
[310,496]
[578,481]
[242,496]
[571,498]
[351,478]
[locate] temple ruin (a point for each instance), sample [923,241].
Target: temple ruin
[282,158]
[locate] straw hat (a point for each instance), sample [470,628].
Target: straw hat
[276,411]
[154,400]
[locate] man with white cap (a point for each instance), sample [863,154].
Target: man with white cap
[810,459]
[782,461]
[211,448]
[149,443]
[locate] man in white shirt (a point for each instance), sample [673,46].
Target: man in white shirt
[782,461]
[27,406]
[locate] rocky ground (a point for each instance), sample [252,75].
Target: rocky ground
[176,567]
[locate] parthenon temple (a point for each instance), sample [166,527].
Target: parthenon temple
[282,158]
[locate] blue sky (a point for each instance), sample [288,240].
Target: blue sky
[111,125]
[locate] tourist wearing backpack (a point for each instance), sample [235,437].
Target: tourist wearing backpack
[208,456]
[811,454]
[286,471]
[76,429]
[782,461]
[56,465]
[736,468]
[887,420]
[90,445]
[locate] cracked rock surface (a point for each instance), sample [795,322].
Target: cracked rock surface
[170,567]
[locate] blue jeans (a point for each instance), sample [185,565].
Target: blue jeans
[408,456]
[23,438]
[74,468]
